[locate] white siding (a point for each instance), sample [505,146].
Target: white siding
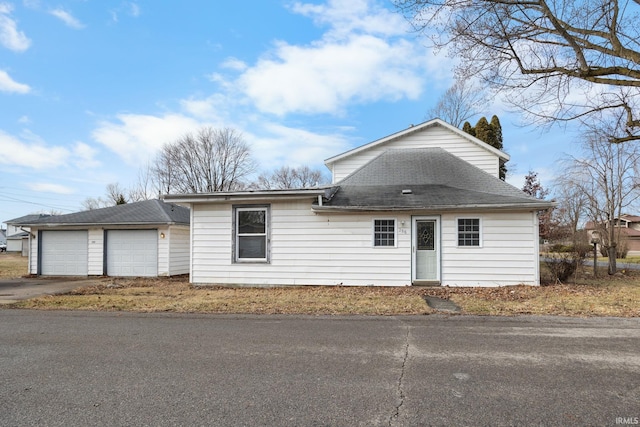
[508,254]
[434,136]
[33,252]
[163,250]
[179,250]
[96,251]
[332,249]
[306,249]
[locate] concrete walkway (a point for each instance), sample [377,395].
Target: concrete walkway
[13,290]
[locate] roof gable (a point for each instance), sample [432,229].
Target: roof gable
[418,128]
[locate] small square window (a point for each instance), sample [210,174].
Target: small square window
[384,232]
[469,232]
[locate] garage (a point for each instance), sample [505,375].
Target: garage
[132,253]
[64,253]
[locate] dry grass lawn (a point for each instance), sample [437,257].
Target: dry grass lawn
[12,265]
[606,296]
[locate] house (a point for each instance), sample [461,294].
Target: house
[147,239]
[421,206]
[629,226]
[18,235]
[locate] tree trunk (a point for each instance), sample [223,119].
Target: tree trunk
[612,259]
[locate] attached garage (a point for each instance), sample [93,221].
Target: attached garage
[132,253]
[64,253]
[142,239]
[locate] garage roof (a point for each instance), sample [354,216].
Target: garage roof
[146,212]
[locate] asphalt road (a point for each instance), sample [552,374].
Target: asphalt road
[116,369]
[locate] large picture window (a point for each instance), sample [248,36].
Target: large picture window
[251,234]
[384,232]
[468,231]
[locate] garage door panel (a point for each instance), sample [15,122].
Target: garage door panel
[64,253]
[132,253]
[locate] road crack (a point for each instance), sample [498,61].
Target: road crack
[394,419]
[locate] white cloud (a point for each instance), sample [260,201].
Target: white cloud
[134,9]
[326,77]
[33,153]
[136,137]
[7,84]
[234,64]
[361,58]
[347,17]
[50,188]
[85,156]
[10,36]
[67,18]
[280,145]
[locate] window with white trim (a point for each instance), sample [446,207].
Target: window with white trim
[468,231]
[251,234]
[384,232]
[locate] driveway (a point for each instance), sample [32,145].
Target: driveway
[116,369]
[12,290]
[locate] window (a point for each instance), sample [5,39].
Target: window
[469,232]
[251,231]
[384,232]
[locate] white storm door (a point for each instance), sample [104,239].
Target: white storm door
[426,250]
[132,253]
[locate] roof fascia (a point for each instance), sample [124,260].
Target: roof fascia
[501,154]
[102,224]
[442,208]
[221,197]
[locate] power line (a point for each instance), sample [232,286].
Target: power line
[8,198]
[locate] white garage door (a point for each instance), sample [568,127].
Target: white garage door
[64,253]
[132,253]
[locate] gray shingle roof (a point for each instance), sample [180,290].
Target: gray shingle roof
[26,218]
[437,179]
[138,213]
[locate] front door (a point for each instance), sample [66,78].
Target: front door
[426,243]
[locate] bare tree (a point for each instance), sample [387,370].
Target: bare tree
[207,161]
[459,103]
[115,194]
[543,52]
[91,203]
[533,187]
[571,209]
[608,177]
[144,188]
[286,177]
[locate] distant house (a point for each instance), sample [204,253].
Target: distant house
[421,206]
[629,226]
[147,239]
[18,234]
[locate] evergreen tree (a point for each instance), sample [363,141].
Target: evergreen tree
[121,200]
[468,129]
[497,128]
[491,133]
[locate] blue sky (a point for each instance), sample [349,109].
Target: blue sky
[90,90]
